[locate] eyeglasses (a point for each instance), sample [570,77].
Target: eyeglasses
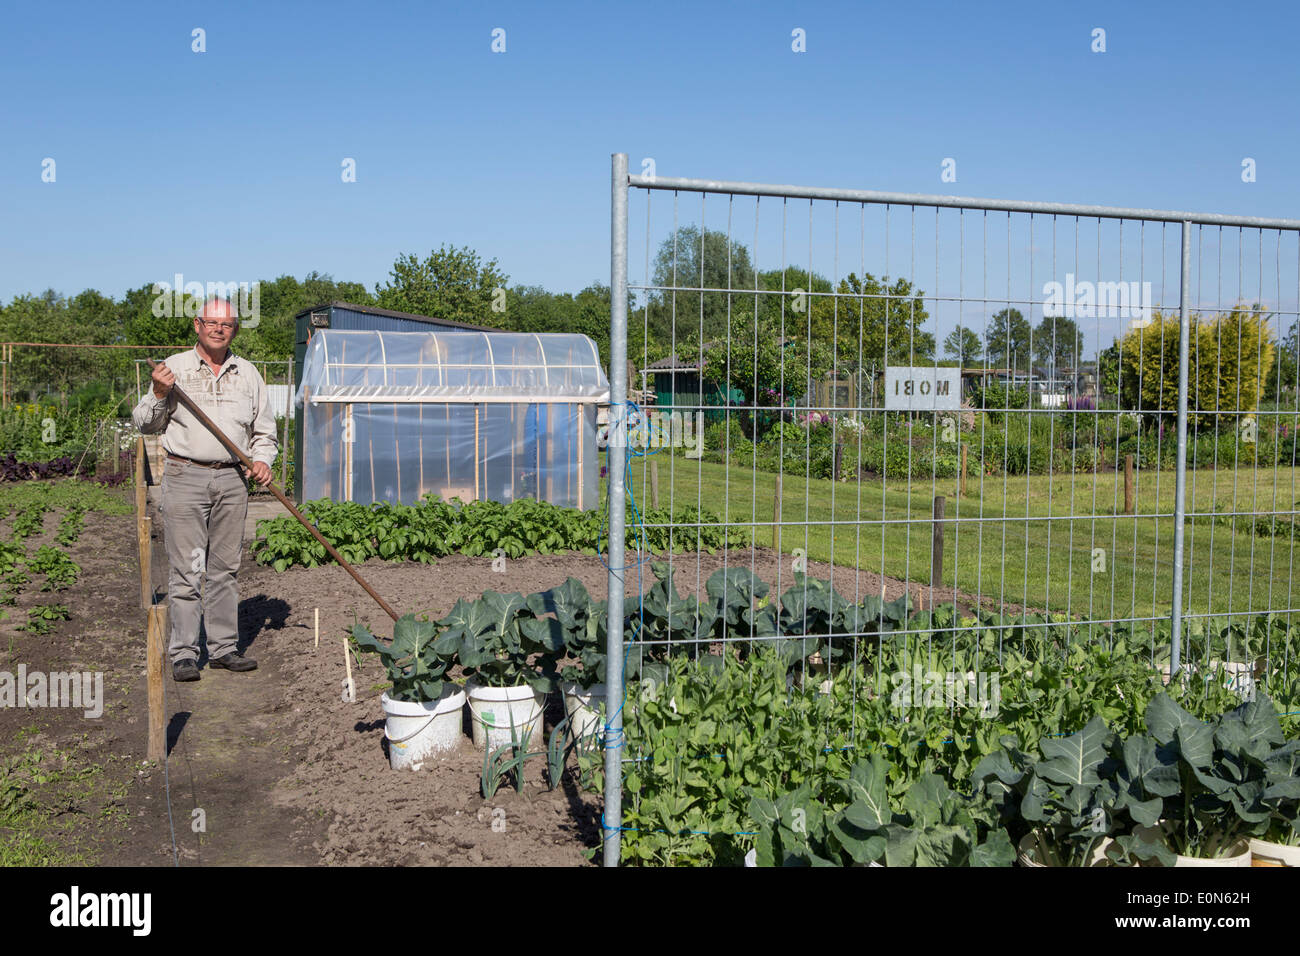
[211,325]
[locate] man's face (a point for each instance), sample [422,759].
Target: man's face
[216,326]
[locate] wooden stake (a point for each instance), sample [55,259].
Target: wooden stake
[317,627]
[143,529]
[370,438]
[1128,484]
[350,689]
[776,514]
[654,484]
[284,446]
[962,491]
[141,492]
[155,645]
[936,549]
[550,457]
[397,451]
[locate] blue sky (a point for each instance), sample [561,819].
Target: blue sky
[226,164]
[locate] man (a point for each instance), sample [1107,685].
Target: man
[204,494]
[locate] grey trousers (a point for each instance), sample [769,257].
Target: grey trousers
[203,517]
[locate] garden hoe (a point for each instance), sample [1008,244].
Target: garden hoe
[284,500]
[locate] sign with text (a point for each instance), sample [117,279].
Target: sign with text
[909,389]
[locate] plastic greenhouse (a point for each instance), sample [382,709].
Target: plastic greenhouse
[391,416]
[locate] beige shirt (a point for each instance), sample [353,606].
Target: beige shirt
[235,399]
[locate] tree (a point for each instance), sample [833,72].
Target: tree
[764,363]
[1108,370]
[964,346]
[691,259]
[1058,342]
[1230,354]
[1284,373]
[871,323]
[450,284]
[1008,340]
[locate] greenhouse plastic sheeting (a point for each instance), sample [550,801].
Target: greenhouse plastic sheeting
[426,432]
[451,366]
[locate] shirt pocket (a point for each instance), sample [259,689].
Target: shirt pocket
[242,409]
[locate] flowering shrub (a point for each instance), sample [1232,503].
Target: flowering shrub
[814,419]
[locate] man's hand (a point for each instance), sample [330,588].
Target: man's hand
[261,473]
[163,380]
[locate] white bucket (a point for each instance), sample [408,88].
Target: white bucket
[1238,676]
[418,730]
[583,705]
[1236,855]
[1033,850]
[494,710]
[1263,853]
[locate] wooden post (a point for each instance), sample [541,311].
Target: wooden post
[155,645]
[936,550]
[1128,484]
[144,529]
[284,446]
[961,493]
[776,514]
[837,459]
[317,627]
[141,491]
[654,484]
[582,480]
[349,442]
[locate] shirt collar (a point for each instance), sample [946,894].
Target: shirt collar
[229,365]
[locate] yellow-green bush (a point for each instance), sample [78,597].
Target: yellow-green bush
[1229,355]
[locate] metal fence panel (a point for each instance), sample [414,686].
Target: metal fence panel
[1121,456]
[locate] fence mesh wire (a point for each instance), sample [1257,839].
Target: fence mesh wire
[776,340]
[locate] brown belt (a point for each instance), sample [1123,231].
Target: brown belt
[204,464]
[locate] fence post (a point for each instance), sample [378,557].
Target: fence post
[962,490]
[144,545]
[654,484]
[1180,474]
[1128,485]
[776,514]
[155,642]
[936,549]
[284,448]
[612,817]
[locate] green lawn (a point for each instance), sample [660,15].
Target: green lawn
[1014,539]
